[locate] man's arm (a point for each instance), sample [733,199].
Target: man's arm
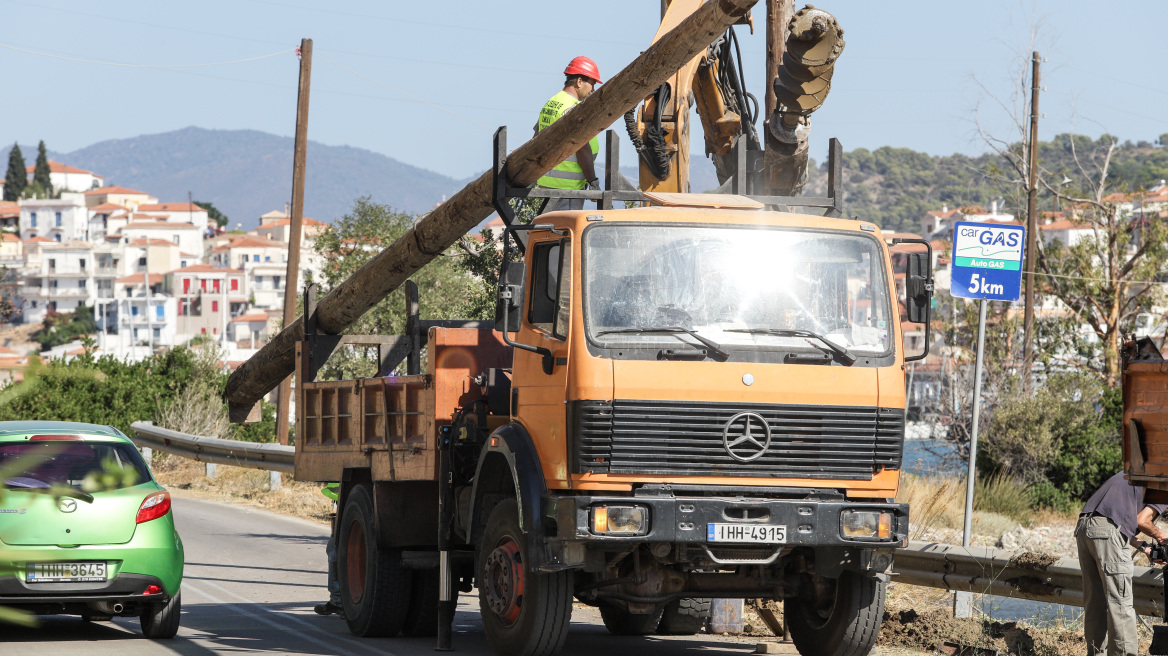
[587,162]
[1146,520]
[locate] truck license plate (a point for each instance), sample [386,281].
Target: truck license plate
[755,533]
[62,572]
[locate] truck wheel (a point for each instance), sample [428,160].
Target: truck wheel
[525,612]
[621,622]
[160,621]
[375,590]
[836,617]
[422,618]
[685,616]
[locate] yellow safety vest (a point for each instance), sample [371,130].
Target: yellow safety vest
[567,174]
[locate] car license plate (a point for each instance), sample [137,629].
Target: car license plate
[65,572]
[754,533]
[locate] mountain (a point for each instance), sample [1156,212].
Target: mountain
[246,173]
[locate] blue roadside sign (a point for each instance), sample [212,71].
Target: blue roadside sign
[987,261]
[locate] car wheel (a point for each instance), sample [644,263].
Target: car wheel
[525,612]
[836,617]
[686,616]
[160,621]
[375,590]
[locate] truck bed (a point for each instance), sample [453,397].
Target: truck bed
[1145,422]
[390,424]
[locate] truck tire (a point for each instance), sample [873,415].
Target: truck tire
[422,618]
[686,616]
[525,612]
[375,590]
[621,622]
[160,621]
[836,617]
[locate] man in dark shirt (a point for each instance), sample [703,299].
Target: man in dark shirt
[1109,522]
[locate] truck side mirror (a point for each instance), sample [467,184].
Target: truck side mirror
[510,299]
[918,287]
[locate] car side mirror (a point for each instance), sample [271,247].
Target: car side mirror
[510,298]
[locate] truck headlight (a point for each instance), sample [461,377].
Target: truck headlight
[620,520]
[866,525]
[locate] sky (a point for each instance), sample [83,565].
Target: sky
[427,83]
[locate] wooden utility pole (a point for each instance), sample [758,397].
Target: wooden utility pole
[778,15]
[442,227]
[295,229]
[1031,229]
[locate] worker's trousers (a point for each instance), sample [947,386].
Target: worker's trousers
[1109,616]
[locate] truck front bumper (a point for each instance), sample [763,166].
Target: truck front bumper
[686,520]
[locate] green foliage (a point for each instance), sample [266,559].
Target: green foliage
[62,328]
[121,393]
[1002,494]
[263,430]
[213,213]
[41,173]
[894,187]
[484,260]
[1063,441]
[356,238]
[16,178]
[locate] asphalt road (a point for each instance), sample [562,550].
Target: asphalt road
[252,578]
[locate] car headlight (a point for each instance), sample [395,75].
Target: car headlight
[620,520]
[866,525]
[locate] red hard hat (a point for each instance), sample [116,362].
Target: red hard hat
[583,66]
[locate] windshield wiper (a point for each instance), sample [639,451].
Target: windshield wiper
[30,485]
[844,356]
[673,330]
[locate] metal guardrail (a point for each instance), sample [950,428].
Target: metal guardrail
[271,457]
[1023,575]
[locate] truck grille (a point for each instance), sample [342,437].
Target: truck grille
[686,438]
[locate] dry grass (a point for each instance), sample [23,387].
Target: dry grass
[184,477]
[938,508]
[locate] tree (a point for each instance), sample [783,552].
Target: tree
[483,260]
[214,214]
[16,179]
[62,328]
[353,240]
[41,173]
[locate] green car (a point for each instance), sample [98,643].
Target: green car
[84,527]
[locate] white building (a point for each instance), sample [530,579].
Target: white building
[57,276]
[115,195]
[60,219]
[187,237]
[70,178]
[179,213]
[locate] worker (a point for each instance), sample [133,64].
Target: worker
[579,170]
[1108,524]
[333,605]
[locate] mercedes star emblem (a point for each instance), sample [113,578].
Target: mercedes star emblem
[69,505]
[740,439]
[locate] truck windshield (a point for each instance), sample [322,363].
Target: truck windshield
[744,287]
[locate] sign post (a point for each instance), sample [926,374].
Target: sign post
[986,265]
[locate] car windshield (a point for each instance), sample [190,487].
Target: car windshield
[45,463]
[744,287]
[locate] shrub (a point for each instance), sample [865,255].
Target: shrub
[1001,494]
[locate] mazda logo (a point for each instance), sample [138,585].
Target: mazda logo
[746,436]
[67,505]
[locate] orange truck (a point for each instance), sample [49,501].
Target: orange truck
[1145,415]
[699,398]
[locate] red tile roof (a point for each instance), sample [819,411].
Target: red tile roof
[114,189]
[1064,224]
[283,222]
[150,241]
[259,316]
[8,236]
[108,207]
[171,207]
[39,240]
[250,242]
[57,167]
[135,278]
[9,208]
[158,225]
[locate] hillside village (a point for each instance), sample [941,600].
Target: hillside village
[156,273]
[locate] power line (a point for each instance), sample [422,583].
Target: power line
[558,36]
[123,65]
[1126,282]
[1112,78]
[408,95]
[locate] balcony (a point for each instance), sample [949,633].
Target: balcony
[59,273]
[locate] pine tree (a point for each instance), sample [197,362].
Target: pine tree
[40,174]
[17,177]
